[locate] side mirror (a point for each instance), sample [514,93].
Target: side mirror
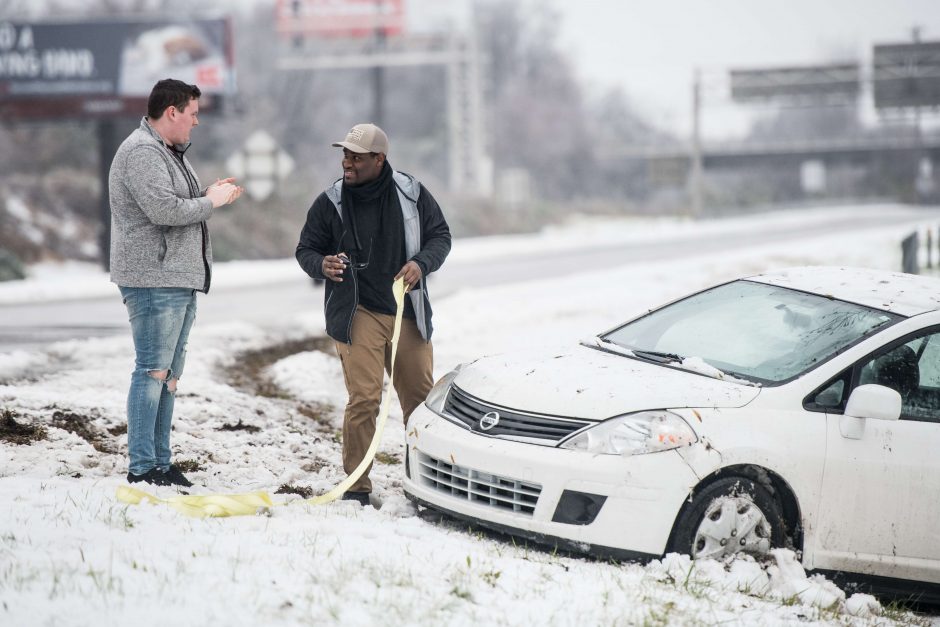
[876,402]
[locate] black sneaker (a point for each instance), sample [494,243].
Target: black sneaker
[360,497]
[176,477]
[153,476]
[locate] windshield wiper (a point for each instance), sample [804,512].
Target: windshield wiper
[654,356]
[607,346]
[689,364]
[658,356]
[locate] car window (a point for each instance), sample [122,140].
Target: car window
[930,362]
[830,397]
[753,330]
[913,370]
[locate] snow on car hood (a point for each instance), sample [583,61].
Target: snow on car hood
[582,382]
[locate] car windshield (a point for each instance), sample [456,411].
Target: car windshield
[751,330]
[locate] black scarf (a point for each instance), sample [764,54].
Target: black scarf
[386,251]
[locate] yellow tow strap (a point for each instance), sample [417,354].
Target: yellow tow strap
[222,505]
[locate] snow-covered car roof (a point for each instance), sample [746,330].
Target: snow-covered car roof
[904,294]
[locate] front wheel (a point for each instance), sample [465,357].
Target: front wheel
[731,515]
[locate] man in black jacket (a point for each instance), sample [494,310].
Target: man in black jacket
[362,233]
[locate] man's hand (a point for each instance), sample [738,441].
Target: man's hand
[334,265]
[223,192]
[411,273]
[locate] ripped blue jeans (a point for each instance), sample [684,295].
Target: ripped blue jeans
[160,318]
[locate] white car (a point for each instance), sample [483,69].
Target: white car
[798,409]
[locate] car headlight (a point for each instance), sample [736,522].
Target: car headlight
[634,434]
[438,393]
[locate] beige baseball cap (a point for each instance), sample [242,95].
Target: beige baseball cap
[365,138]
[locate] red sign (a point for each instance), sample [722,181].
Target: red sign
[208,76]
[340,18]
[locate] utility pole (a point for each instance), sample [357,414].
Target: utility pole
[921,182]
[915,37]
[107,145]
[695,176]
[378,69]
[466,152]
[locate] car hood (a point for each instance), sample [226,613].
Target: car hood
[583,382]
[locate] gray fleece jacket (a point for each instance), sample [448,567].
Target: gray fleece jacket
[158,212]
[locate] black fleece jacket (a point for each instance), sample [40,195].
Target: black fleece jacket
[323,235]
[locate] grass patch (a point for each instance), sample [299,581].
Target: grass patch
[189,465]
[81,426]
[240,426]
[320,414]
[247,373]
[301,490]
[461,593]
[491,577]
[908,612]
[314,466]
[19,433]
[388,459]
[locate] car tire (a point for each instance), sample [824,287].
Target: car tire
[731,515]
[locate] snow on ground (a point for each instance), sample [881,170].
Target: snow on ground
[70,554]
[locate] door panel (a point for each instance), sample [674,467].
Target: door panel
[880,506]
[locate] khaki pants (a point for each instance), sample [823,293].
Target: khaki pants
[365,362]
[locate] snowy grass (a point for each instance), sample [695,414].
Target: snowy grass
[70,554]
[341,564]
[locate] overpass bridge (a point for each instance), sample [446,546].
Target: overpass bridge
[786,152]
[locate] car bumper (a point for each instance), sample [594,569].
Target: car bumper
[516,488]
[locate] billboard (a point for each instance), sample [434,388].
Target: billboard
[822,83]
[89,69]
[340,18]
[907,75]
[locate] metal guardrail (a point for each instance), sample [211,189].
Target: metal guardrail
[918,259]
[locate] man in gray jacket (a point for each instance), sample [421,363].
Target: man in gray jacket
[160,258]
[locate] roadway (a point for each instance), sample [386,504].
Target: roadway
[36,325]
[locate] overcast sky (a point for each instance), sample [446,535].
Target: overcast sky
[651,47]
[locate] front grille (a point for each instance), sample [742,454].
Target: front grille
[469,411]
[478,487]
